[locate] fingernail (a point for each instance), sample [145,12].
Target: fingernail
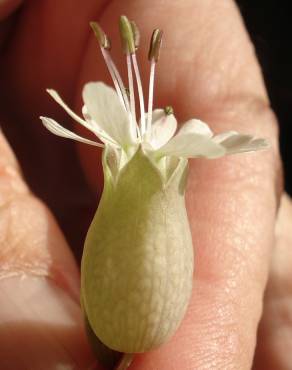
[41,327]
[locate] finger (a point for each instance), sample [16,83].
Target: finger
[40,318]
[208,70]
[50,46]
[7,7]
[274,344]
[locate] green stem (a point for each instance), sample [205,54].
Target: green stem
[125,361]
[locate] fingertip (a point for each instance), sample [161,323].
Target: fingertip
[43,324]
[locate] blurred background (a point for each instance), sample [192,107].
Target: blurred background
[269,25]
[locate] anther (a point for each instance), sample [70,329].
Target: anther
[155,45]
[127,35]
[136,34]
[103,40]
[168,110]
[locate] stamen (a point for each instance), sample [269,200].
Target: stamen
[131,87]
[150,96]
[104,43]
[120,82]
[130,36]
[103,40]
[140,93]
[155,45]
[127,35]
[130,39]
[136,34]
[153,56]
[109,64]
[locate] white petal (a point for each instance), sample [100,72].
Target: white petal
[103,136]
[225,135]
[86,115]
[196,126]
[59,130]
[104,106]
[163,128]
[191,145]
[91,127]
[235,142]
[59,100]
[251,146]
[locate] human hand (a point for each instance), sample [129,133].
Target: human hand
[207,69]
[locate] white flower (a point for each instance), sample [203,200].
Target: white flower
[111,116]
[106,117]
[140,235]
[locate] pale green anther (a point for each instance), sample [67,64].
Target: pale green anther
[127,35]
[155,45]
[137,264]
[136,34]
[102,38]
[168,110]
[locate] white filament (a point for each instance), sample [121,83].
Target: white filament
[121,91]
[140,93]
[121,84]
[150,96]
[109,62]
[131,87]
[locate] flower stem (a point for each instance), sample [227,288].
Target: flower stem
[125,361]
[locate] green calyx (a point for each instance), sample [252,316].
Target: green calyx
[115,163]
[136,273]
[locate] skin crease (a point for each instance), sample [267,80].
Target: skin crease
[207,70]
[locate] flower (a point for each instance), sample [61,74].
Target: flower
[137,264]
[106,117]
[111,116]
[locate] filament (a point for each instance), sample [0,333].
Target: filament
[108,60]
[140,93]
[131,87]
[150,96]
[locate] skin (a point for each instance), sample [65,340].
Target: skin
[208,70]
